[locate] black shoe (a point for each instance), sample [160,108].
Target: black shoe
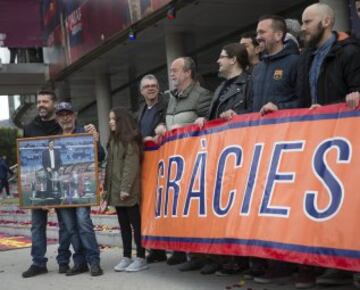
[63,268]
[192,265]
[34,271]
[77,269]
[210,268]
[95,270]
[176,258]
[156,256]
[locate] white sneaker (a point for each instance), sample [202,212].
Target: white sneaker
[123,264]
[137,265]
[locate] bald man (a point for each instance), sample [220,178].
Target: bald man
[329,69]
[328,73]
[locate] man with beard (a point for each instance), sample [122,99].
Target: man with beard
[273,88]
[274,78]
[44,125]
[329,72]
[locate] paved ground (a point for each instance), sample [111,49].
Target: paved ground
[158,277]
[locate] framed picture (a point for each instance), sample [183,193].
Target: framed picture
[58,171]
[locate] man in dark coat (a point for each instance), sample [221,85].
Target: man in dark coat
[231,97]
[4,170]
[329,69]
[328,73]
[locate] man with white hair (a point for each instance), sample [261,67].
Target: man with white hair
[328,73]
[151,113]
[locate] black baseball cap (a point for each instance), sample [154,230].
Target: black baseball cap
[64,106]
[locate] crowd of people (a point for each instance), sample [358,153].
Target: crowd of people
[282,65]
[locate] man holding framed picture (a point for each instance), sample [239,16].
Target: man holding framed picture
[44,124]
[77,220]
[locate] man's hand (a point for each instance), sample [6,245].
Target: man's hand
[176,126]
[160,130]
[314,106]
[148,138]
[268,108]
[124,195]
[352,100]
[91,129]
[228,115]
[200,122]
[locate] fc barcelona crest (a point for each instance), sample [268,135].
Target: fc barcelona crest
[278,74]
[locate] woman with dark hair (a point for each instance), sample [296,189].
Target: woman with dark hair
[122,184]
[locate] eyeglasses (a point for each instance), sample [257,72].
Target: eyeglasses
[224,56]
[153,86]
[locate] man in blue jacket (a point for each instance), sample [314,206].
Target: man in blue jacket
[274,78]
[273,88]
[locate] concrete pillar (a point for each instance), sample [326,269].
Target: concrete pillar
[175,47]
[11,102]
[103,105]
[341,8]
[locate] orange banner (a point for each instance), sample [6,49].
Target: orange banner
[282,186]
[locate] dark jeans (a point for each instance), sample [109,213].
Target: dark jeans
[39,220]
[127,217]
[79,225]
[4,183]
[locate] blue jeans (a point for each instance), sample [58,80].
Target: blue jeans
[39,219]
[78,224]
[65,239]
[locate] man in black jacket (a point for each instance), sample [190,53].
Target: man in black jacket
[231,97]
[44,124]
[328,73]
[329,69]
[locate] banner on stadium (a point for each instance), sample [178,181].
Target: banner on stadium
[20,24]
[74,28]
[283,186]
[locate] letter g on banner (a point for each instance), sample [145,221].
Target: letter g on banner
[334,187]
